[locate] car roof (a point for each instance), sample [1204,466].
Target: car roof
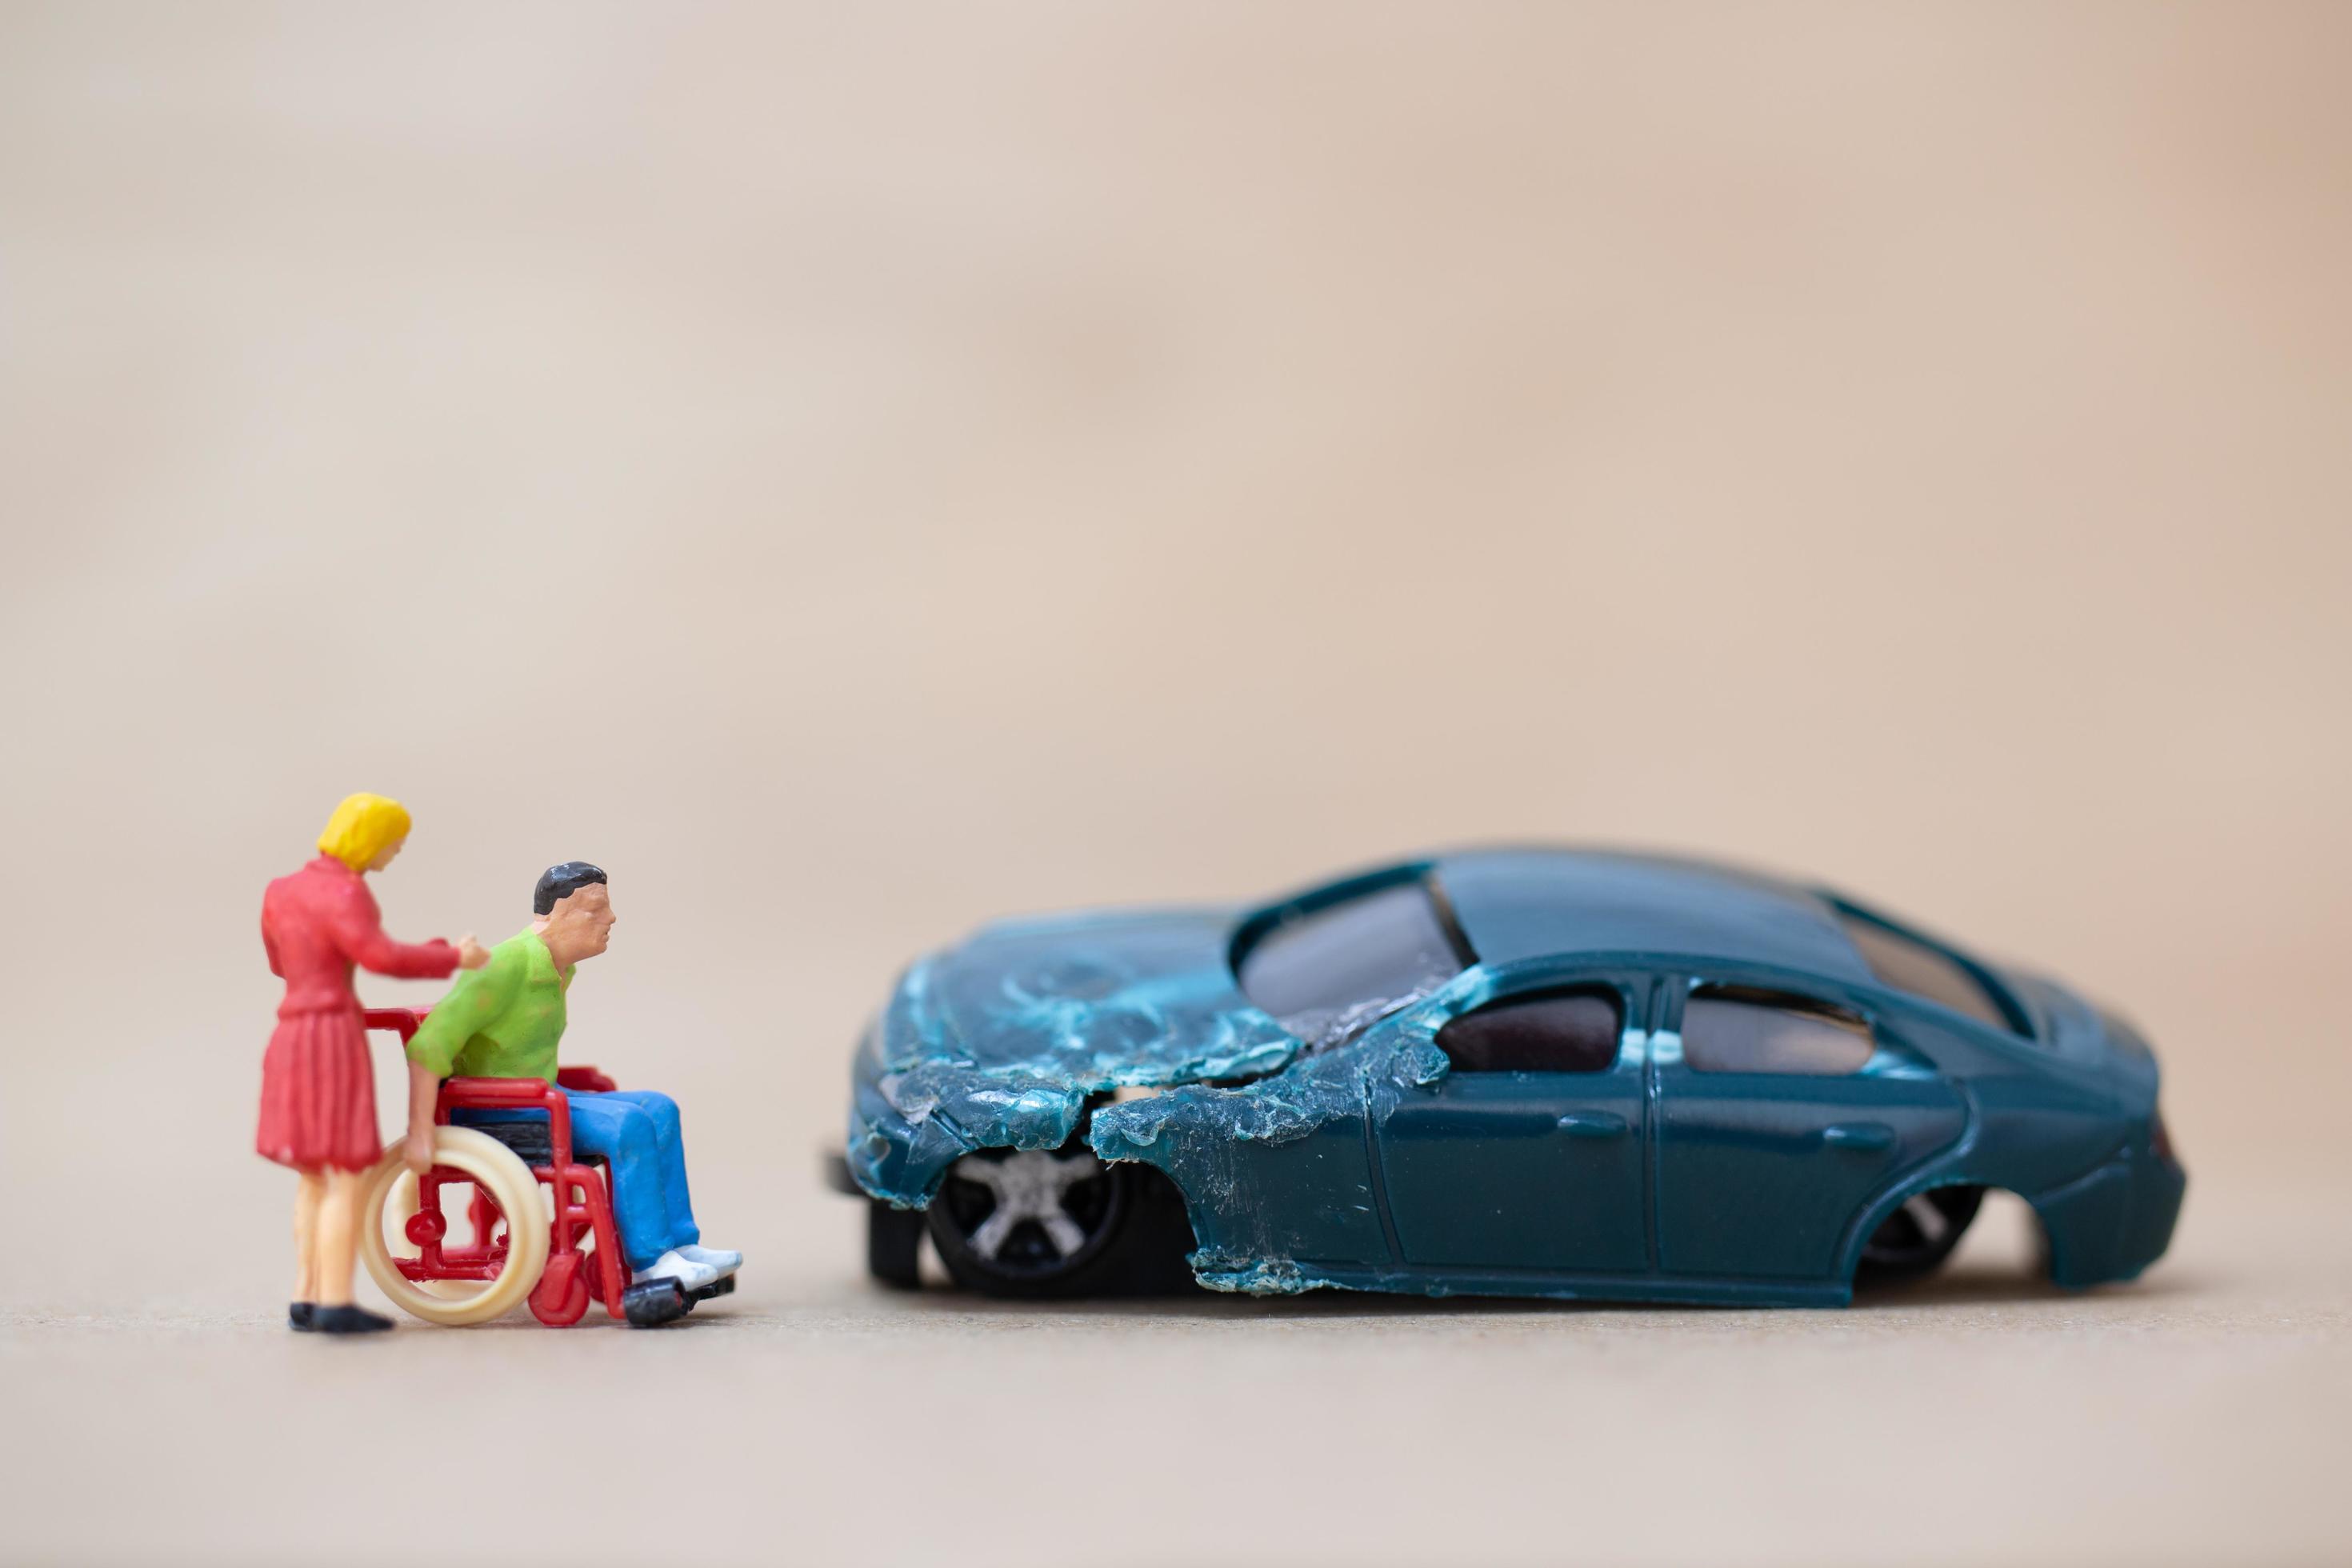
[1515,904]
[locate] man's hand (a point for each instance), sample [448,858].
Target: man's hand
[423,1094]
[471,954]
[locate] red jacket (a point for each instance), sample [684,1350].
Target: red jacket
[319,922]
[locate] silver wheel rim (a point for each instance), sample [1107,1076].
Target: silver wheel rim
[1028,1184]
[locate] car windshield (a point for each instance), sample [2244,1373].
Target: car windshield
[1906,963]
[1325,974]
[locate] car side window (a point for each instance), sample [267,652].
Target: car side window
[1559,1031]
[1732,1028]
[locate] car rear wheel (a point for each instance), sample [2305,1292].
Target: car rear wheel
[1919,1235]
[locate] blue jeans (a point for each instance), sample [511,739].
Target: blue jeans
[636,1132]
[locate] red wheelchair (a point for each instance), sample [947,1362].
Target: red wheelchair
[520,1246]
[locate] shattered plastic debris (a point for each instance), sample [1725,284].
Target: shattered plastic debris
[1256,1276]
[1326,1027]
[1271,1110]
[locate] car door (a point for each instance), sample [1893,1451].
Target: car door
[1527,1152]
[1780,1116]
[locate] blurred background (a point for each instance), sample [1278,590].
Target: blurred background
[854,472]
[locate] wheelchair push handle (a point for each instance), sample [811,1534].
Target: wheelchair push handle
[401,1021]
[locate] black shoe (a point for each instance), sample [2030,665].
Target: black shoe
[346,1321]
[298,1316]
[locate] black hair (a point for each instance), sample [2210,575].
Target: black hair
[562,883]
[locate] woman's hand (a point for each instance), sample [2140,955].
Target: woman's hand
[416,1149]
[471,954]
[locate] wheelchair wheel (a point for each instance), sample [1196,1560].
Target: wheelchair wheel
[561,1299]
[398,1205]
[511,1187]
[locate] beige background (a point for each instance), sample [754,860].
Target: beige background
[854,471]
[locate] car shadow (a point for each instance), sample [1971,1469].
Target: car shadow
[1991,1287]
[1981,1286]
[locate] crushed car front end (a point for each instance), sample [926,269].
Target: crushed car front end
[1006,1040]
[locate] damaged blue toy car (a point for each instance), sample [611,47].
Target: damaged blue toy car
[1525,1072]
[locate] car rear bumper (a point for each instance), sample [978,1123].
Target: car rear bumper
[2115,1222]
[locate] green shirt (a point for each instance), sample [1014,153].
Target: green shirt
[502,1020]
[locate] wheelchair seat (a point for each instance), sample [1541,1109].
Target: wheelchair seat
[531,1141]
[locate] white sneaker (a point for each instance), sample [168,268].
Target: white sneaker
[717,1257]
[676,1265]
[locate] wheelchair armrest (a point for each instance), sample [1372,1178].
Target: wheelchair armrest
[586,1080]
[487,1091]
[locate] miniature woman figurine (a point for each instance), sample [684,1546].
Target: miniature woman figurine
[318,1088]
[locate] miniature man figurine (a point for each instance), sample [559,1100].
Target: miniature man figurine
[506,1019]
[317,1091]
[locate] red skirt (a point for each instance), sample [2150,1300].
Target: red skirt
[317,1094]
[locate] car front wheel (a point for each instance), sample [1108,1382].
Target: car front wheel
[1028,1222]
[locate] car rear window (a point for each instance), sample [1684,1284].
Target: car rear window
[1904,963]
[1739,1029]
[1325,974]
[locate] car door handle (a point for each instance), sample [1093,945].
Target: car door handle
[1867,1136]
[1592,1124]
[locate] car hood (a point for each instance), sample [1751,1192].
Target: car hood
[999,1040]
[1100,1000]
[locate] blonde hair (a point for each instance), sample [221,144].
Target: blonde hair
[362,824]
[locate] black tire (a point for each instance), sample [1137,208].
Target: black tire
[1131,1234]
[894,1242]
[1917,1237]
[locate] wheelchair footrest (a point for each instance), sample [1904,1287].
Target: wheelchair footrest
[655,1302]
[659,1301]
